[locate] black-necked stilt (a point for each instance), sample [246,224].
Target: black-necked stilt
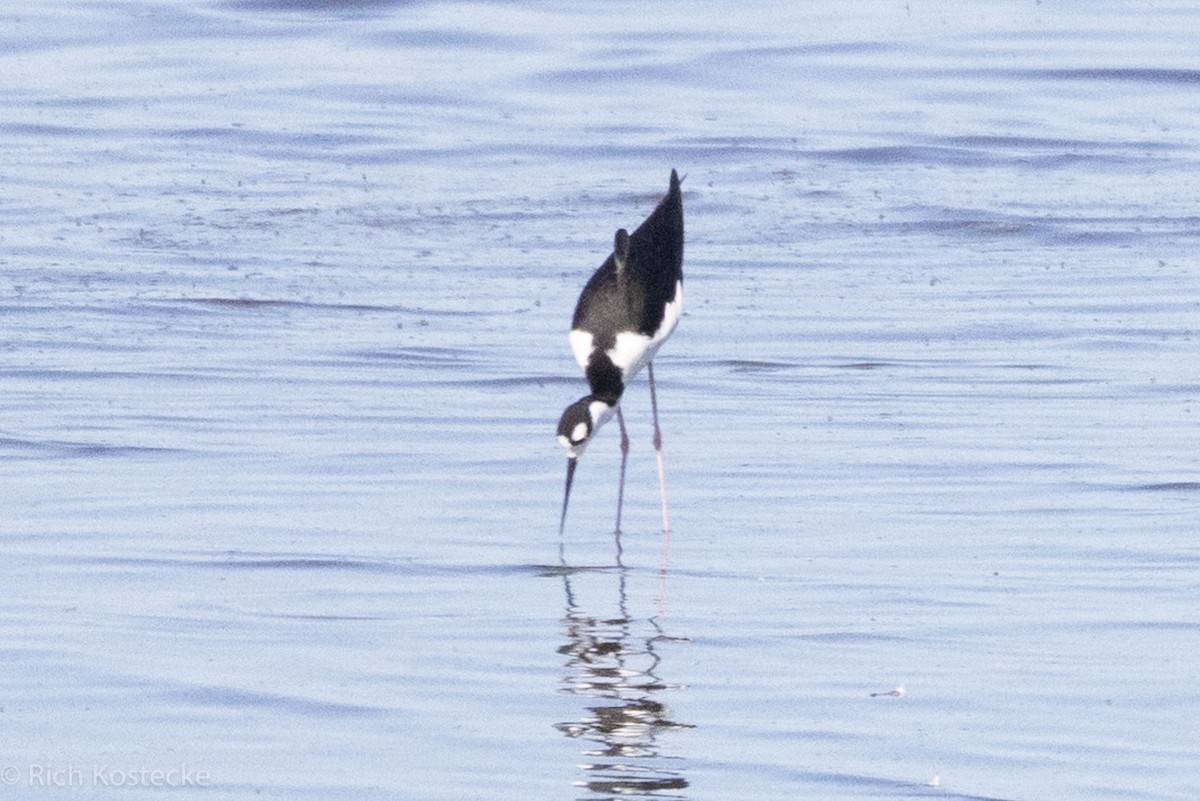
[626,311]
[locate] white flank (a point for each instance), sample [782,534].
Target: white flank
[630,353]
[634,351]
[581,346]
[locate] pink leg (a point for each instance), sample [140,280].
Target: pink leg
[662,476]
[624,459]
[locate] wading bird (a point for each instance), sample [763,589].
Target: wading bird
[626,311]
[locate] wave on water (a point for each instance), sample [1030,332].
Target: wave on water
[20,448]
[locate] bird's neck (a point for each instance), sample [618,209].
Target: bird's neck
[601,412]
[604,378]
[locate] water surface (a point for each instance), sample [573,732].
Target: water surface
[284,289]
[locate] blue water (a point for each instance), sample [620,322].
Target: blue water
[284,291]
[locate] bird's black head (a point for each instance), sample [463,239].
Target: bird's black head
[576,426]
[578,423]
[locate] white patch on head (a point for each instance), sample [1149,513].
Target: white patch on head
[634,351]
[581,346]
[574,450]
[579,432]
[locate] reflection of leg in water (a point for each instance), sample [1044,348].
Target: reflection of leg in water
[612,661]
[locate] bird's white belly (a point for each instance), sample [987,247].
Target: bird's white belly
[581,346]
[633,351]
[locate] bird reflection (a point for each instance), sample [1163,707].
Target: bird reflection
[612,660]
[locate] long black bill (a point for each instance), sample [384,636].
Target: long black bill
[567,493]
